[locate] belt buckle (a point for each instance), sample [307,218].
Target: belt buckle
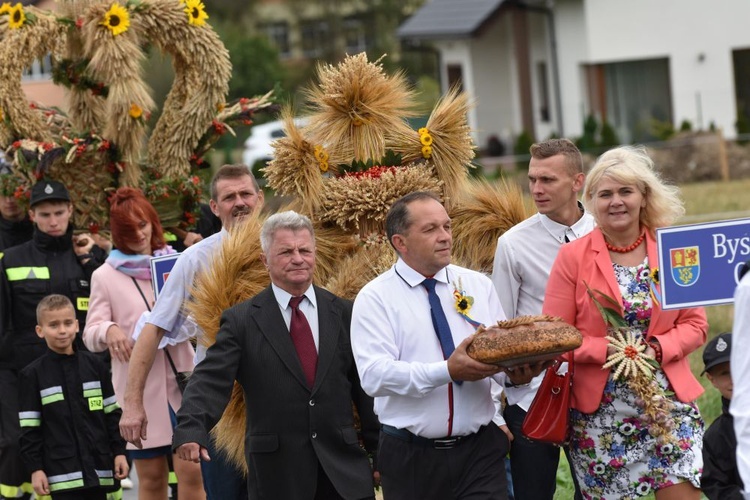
[446,443]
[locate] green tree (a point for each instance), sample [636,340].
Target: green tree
[256,68]
[523,144]
[587,141]
[609,137]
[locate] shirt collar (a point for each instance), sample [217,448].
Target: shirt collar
[282,296]
[414,278]
[558,230]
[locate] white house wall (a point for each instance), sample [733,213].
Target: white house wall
[572,52]
[458,53]
[698,38]
[539,51]
[487,73]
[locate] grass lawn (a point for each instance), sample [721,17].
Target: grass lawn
[703,202]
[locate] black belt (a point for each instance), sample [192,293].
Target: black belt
[445,443]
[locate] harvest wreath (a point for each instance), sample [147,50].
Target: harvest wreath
[97,144]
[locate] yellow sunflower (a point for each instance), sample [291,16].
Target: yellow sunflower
[4,8]
[116,20]
[655,275]
[135,111]
[196,12]
[16,16]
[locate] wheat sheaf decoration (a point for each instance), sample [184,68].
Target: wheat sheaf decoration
[357,154]
[104,138]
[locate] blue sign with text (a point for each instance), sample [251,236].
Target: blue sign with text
[160,268]
[699,263]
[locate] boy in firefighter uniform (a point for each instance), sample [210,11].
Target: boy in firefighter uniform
[69,416]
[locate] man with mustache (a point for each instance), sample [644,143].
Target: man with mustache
[234,194]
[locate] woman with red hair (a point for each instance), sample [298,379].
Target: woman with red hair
[121,292]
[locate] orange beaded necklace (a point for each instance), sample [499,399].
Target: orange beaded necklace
[628,248]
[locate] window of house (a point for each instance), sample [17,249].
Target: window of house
[636,97]
[455,76]
[741,63]
[278,35]
[41,69]
[314,38]
[543,79]
[355,36]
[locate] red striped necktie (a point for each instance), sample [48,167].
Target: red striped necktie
[303,340]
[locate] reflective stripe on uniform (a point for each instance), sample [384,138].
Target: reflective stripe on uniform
[115,495]
[110,404]
[30,418]
[27,273]
[51,394]
[65,481]
[7,491]
[92,389]
[106,477]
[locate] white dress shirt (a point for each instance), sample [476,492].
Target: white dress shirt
[523,260]
[308,307]
[398,354]
[170,312]
[740,404]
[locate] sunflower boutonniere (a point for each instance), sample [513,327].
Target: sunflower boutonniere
[655,275]
[654,286]
[463,302]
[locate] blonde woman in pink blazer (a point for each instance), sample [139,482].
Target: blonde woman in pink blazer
[116,304]
[614,454]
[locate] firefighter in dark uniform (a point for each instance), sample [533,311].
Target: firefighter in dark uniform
[53,261]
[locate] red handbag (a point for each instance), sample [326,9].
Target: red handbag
[548,418]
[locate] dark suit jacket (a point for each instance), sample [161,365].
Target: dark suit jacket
[290,428]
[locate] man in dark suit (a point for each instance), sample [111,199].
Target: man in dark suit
[289,349]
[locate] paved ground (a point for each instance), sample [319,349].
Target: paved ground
[131,494]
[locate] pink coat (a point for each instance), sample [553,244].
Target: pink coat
[679,332]
[115,300]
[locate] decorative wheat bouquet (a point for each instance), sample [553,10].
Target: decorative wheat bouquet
[631,363]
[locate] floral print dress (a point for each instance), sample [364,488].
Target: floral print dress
[613,454]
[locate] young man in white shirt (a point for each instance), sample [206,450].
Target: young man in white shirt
[523,260]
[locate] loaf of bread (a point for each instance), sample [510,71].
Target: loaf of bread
[526,339]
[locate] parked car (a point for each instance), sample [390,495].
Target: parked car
[258,147]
